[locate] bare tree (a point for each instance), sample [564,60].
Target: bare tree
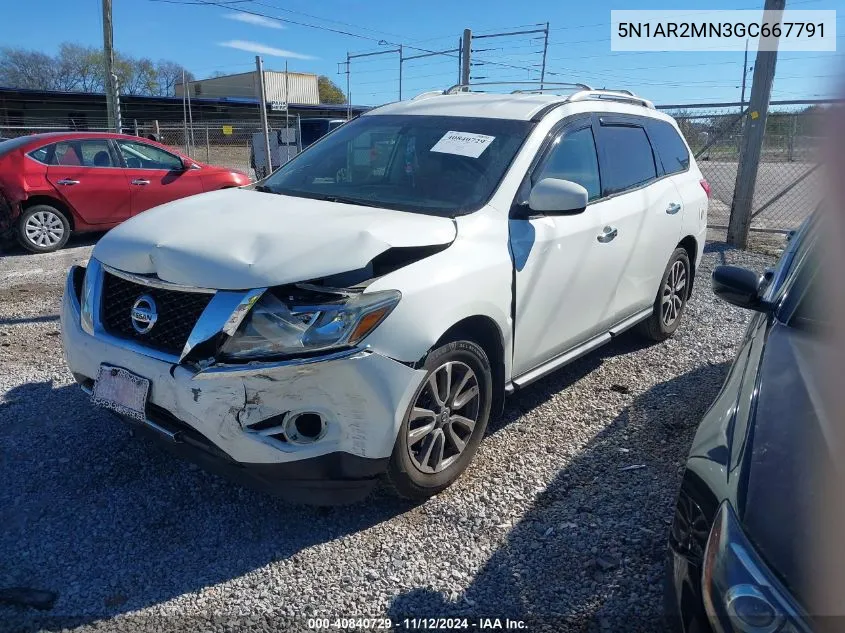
[81,68]
[20,68]
[168,74]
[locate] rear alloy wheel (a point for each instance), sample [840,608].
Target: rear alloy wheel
[445,422]
[671,298]
[43,229]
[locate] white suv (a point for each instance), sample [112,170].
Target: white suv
[365,309]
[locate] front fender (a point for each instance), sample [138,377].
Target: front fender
[472,277]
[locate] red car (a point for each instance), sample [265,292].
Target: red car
[53,184]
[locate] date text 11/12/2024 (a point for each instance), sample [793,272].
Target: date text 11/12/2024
[416,624]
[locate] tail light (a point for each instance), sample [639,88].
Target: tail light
[705,185]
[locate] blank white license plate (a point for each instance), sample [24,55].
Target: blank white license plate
[121,391]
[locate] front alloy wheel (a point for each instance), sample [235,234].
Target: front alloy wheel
[445,421]
[444,417]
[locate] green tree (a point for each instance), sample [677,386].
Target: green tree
[330,92]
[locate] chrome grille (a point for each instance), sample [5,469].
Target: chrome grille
[178,312]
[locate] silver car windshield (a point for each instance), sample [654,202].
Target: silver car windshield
[427,164]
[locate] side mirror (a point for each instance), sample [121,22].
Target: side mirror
[187,163]
[740,287]
[554,195]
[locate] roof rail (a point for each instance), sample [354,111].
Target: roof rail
[625,96]
[464,87]
[426,95]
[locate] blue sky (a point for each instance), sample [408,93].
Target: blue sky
[208,39]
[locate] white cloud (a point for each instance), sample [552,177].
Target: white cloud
[263,49]
[255,20]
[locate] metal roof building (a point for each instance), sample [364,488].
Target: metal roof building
[82,110]
[279,87]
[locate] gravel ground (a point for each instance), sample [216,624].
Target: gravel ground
[545,526]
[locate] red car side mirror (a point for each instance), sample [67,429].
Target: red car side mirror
[187,163]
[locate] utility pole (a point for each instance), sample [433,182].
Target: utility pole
[544,31]
[110,84]
[401,61]
[752,134]
[742,95]
[190,117]
[460,58]
[262,103]
[744,74]
[348,93]
[466,49]
[356,56]
[184,112]
[287,113]
[545,49]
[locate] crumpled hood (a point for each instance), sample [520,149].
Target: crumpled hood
[239,238]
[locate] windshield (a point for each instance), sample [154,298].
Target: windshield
[428,164]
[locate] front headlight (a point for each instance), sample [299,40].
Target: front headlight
[740,594]
[280,325]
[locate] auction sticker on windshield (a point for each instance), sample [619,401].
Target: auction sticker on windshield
[463,144]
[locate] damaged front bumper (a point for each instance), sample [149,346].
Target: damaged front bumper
[244,420]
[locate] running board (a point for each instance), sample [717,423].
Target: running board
[559,361]
[627,324]
[576,353]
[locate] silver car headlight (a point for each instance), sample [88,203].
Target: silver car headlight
[279,325]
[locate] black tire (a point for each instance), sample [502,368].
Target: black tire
[405,475]
[657,327]
[51,217]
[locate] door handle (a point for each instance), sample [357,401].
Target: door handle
[608,234]
[140,181]
[673,208]
[68,182]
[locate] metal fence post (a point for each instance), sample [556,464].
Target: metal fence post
[752,141]
[207,146]
[262,103]
[157,130]
[135,121]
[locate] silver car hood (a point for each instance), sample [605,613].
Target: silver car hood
[239,238]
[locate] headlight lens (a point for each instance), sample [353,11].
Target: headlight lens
[740,593]
[275,327]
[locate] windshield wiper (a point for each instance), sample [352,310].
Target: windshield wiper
[263,189]
[343,200]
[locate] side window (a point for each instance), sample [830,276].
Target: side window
[671,149]
[143,156]
[628,158]
[573,157]
[67,154]
[42,154]
[96,153]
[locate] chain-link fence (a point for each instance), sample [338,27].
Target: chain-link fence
[788,179]
[223,143]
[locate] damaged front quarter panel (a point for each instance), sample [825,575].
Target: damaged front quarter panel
[362,397]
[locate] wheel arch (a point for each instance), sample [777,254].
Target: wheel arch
[485,332]
[53,202]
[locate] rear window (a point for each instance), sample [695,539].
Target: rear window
[41,154]
[628,157]
[671,149]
